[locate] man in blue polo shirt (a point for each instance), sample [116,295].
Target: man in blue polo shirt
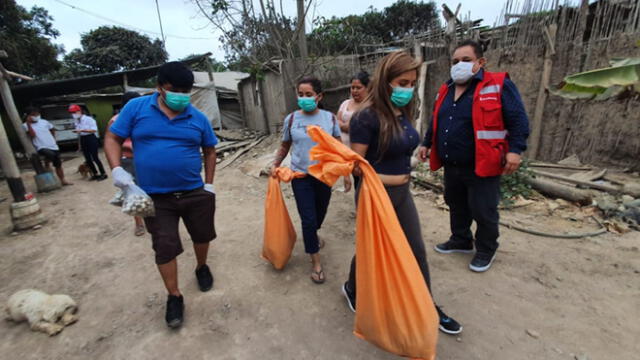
[167,134]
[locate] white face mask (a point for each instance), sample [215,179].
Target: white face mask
[35,118]
[76,116]
[462,72]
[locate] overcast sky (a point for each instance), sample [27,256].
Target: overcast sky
[180,18]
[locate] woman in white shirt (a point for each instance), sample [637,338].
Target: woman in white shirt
[87,129]
[359,93]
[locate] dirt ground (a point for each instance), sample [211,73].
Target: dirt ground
[544,298]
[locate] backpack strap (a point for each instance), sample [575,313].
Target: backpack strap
[293,114]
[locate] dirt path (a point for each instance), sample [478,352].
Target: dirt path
[578,296]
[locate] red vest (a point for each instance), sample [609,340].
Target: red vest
[488,126]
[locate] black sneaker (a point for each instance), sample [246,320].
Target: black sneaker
[448,325]
[451,246]
[94,177]
[205,278]
[175,311]
[351,298]
[102,177]
[481,262]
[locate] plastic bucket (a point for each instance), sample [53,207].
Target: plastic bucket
[47,182]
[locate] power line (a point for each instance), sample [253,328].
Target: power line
[164,40]
[127,25]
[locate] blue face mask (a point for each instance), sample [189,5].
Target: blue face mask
[401,96]
[307,104]
[177,101]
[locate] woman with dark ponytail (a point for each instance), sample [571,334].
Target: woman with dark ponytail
[312,195]
[382,133]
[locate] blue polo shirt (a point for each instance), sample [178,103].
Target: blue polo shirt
[166,152]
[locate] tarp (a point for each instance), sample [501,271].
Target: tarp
[394,309]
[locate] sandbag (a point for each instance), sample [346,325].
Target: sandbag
[279,233]
[394,309]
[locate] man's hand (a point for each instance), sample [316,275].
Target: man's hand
[121,178]
[423,154]
[512,164]
[347,184]
[209,188]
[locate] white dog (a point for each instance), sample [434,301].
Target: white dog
[46,313]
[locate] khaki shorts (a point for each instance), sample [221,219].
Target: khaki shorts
[197,210]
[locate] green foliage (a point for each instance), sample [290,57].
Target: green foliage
[515,185]
[111,48]
[602,84]
[216,66]
[511,186]
[26,36]
[347,34]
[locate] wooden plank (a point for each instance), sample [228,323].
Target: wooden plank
[543,92]
[239,153]
[553,189]
[589,184]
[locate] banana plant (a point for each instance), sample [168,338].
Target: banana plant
[602,84]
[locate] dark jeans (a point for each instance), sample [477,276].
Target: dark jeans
[407,213]
[471,197]
[312,198]
[89,145]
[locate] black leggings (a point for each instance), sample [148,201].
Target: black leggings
[89,145]
[402,201]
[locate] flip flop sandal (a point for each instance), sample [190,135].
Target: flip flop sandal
[320,275]
[139,230]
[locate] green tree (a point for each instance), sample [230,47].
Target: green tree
[112,48]
[348,34]
[216,66]
[26,36]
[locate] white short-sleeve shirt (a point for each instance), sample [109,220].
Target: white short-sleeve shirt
[86,123]
[43,139]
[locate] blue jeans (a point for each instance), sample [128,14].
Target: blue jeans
[312,198]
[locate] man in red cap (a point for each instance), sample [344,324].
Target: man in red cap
[87,129]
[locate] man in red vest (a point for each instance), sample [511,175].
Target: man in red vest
[478,132]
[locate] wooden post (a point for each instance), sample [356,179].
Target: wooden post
[536,124]
[12,111]
[422,103]
[125,82]
[10,168]
[212,86]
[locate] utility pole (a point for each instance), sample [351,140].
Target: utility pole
[10,168]
[164,40]
[12,111]
[302,33]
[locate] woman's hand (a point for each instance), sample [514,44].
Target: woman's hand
[347,184]
[272,171]
[356,169]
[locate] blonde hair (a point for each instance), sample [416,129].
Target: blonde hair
[379,99]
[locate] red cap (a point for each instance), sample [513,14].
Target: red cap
[74,108]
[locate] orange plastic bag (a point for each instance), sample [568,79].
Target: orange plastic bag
[394,308]
[279,233]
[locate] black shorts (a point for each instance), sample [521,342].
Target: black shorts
[51,155]
[197,210]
